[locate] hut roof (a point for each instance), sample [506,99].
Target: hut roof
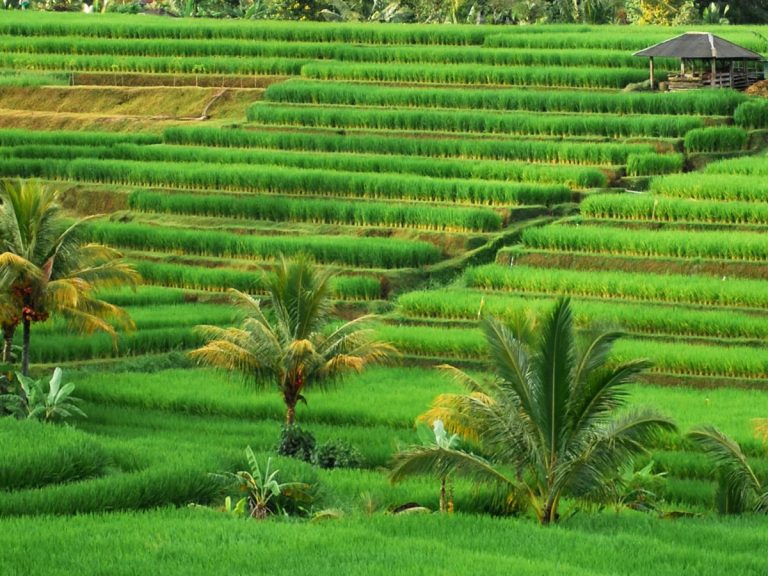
[694,45]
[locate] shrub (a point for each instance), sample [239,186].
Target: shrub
[337,454]
[296,443]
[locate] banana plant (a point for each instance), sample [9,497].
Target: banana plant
[36,401]
[263,487]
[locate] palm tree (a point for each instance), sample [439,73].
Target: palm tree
[46,269]
[547,423]
[291,348]
[739,489]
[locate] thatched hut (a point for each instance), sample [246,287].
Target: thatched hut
[707,61]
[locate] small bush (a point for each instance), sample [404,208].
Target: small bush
[721,139]
[752,114]
[337,454]
[296,443]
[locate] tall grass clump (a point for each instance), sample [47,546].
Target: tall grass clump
[752,114]
[715,139]
[652,163]
[172,484]
[36,454]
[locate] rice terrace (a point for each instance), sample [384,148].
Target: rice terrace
[353,288]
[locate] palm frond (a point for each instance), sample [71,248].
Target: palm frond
[596,355]
[459,413]
[228,356]
[761,505]
[12,266]
[472,384]
[739,483]
[112,274]
[761,428]
[603,391]
[299,294]
[87,323]
[599,454]
[510,360]
[555,366]
[441,462]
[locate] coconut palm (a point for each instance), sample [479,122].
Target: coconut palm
[739,490]
[46,269]
[291,347]
[546,424]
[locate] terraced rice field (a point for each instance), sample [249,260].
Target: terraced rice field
[444,173]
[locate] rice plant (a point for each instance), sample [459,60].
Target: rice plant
[482,122]
[716,139]
[716,102]
[651,163]
[739,187]
[620,285]
[330,211]
[649,207]
[674,243]
[565,152]
[477,74]
[370,252]
[281,180]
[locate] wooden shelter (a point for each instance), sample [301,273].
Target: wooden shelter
[707,60]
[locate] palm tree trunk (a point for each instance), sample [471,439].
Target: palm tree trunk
[27,325]
[290,415]
[549,514]
[443,506]
[8,332]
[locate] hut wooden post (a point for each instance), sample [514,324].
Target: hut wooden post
[698,48]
